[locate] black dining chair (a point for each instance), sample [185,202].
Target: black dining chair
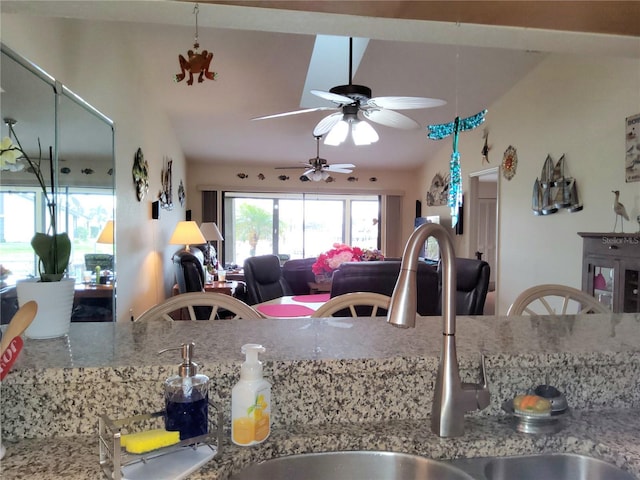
[190,277]
[472,279]
[263,276]
[298,274]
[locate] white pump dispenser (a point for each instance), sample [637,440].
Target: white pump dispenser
[251,401]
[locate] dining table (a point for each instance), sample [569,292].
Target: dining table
[292,306]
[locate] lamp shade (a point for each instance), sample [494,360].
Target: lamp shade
[362,133]
[187,233]
[106,235]
[210,231]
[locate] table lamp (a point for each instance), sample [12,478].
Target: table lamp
[187,233]
[106,235]
[211,232]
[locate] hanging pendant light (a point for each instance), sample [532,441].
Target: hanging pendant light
[196,63]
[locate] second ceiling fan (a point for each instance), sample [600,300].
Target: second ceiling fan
[318,169]
[352,99]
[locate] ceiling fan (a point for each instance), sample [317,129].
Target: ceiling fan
[318,169]
[352,99]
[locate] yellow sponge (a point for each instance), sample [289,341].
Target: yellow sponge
[142,442]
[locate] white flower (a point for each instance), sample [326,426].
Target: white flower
[9,153]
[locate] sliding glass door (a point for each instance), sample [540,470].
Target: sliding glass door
[296,225]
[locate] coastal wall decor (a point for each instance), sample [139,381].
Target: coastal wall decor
[632,145]
[554,190]
[165,196]
[140,173]
[486,147]
[181,194]
[438,193]
[509,162]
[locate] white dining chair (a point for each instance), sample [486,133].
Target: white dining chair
[189,301]
[552,299]
[352,300]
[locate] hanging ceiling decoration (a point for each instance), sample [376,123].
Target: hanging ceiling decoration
[317,169]
[353,99]
[443,130]
[196,63]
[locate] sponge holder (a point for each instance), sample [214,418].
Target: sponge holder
[113,457]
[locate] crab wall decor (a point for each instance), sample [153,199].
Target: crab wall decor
[196,63]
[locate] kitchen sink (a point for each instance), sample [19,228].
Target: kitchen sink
[552,466]
[356,465]
[372,465]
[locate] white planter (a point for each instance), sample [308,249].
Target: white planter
[55,303]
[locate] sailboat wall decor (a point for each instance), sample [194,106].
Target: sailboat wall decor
[553,190]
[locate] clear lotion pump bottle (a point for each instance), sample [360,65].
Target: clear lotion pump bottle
[251,401]
[186,397]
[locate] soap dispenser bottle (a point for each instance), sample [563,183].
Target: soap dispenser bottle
[251,401]
[186,397]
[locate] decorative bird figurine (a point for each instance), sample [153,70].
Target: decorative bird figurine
[620,211]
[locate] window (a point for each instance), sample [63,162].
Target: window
[82,213]
[297,225]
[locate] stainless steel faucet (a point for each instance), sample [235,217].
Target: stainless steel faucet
[451,397]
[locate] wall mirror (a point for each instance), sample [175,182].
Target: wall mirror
[78,141]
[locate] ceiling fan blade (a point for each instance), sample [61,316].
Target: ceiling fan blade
[295,112]
[389,118]
[333,97]
[309,171]
[326,124]
[405,103]
[342,165]
[337,170]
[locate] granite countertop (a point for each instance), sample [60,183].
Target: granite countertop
[338,384]
[609,435]
[131,345]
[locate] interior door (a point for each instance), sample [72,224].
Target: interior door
[486,233]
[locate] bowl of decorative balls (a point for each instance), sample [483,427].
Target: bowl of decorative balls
[534,413]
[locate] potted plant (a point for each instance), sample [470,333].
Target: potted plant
[53,248]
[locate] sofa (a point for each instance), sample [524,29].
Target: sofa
[381,276]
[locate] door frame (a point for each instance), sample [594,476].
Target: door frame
[474,191]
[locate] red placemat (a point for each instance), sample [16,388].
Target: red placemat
[315,298]
[285,310]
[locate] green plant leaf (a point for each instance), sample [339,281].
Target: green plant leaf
[54,253]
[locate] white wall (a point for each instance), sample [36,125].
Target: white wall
[108,78]
[571,105]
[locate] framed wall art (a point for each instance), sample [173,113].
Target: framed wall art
[632,146]
[438,193]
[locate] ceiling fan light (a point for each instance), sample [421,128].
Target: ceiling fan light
[363,133]
[337,134]
[316,176]
[325,175]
